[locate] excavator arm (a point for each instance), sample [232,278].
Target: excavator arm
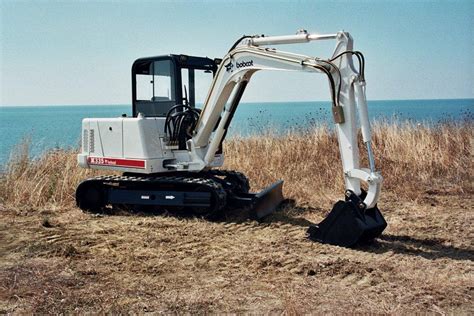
[347,93]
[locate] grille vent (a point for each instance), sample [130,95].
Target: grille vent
[91,141]
[85,140]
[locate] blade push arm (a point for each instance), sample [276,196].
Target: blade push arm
[347,86]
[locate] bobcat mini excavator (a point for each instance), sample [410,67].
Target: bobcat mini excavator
[169,150]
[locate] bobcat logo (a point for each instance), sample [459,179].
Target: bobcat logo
[229,67]
[245,64]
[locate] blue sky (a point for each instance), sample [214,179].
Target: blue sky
[80,52]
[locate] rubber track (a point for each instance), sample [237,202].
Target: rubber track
[237,177]
[214,187]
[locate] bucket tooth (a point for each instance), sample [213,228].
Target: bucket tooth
[349,223]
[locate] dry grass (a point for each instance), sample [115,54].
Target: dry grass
[56,259]
[49,180]
[412,158]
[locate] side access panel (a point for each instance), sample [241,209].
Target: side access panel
[110,133]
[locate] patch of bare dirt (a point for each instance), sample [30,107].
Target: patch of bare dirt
[62,261]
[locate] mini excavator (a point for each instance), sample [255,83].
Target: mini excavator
[169,151]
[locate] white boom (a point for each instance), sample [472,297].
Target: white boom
[242,62]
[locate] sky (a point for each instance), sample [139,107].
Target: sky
[81,52]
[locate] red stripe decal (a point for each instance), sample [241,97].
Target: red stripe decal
[116,162]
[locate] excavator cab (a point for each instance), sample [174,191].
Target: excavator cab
[161,82]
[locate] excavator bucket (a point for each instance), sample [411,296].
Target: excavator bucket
[349,223]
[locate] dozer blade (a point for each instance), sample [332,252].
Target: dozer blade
[349,223]
[266,201]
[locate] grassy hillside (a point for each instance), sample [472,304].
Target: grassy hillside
[54,258]
[412,159]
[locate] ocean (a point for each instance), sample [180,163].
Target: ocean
[50,127]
